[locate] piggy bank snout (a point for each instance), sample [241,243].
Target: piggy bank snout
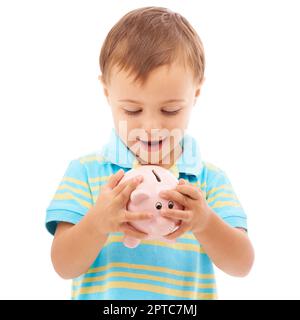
[139,195]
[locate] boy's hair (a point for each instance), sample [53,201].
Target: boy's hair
[150,37]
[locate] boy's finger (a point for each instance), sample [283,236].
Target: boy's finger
[128,216]
[176,214]
[179,232]
[114,179]
[175,196]
[119,188]
[189,191]
[129,230]
[182,181]
[123,197]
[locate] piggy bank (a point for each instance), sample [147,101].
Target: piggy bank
[146,198]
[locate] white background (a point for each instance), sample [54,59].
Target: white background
[247,122]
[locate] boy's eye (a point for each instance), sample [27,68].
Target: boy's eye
[170,112]
[135,112]
[132,112]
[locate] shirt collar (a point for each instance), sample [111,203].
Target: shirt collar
[189,162]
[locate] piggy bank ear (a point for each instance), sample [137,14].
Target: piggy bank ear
[138,196]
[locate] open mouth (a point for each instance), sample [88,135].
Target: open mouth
[151,142]
[151,146]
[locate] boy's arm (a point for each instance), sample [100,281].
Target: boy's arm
[229,248]
[75,247]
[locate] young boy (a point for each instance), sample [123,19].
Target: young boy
[152,64]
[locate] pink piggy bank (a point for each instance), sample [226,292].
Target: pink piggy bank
[146,198]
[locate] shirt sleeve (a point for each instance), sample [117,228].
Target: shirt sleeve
[221,197]
[72,198]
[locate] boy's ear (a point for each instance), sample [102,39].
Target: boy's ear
[198,90]
[197,94]
[100,78]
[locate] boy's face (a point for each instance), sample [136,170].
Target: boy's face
[151,119]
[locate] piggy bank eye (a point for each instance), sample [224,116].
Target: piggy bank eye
[158,205]
[170,204]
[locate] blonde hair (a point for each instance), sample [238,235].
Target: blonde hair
[147,38]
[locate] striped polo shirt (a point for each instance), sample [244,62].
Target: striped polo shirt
[154,269]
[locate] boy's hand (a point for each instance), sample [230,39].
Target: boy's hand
[196,210]
[110,207]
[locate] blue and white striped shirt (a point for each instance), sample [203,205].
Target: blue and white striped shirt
[154,269]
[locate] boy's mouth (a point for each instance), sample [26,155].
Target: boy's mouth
[153,145]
